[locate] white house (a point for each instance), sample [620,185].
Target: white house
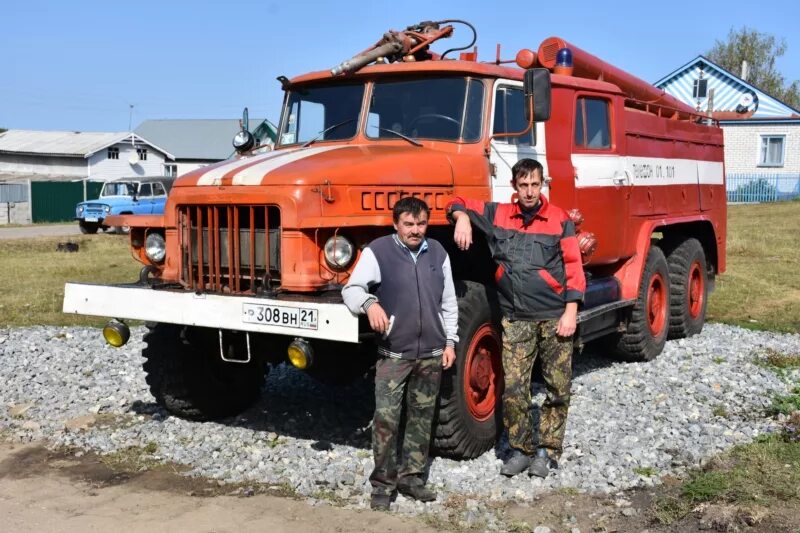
[762,134]
[28,157]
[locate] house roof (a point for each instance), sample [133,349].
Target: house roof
[729,90]
[199,139]
[65,143]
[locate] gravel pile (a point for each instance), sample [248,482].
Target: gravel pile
[629,422]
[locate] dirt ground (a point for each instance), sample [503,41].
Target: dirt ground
[42,491]
[54,491]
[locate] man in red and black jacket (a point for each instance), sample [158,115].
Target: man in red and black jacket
[540,282]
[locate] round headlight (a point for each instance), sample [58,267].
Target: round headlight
[155,248]
[106,208]
[80,209]
[338,252]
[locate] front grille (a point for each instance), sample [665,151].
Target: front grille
[230,248]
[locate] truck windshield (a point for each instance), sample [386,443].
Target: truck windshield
[310,111]
[118,188]
[444,109]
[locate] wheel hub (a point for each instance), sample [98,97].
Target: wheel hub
[656,305]
[483,372]
[695,292]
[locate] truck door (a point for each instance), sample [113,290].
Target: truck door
[159,198]
[144,200]
[509,116]
[602,187]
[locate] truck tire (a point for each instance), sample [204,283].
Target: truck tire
[88,228]
[189,379]
[469,417]
[648,324]
[688,280]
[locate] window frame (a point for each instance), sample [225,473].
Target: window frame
[696,88]
[584,148]
[504,139]
[764,137]
[163,191]
[112,152]
[142,154]
[466,78]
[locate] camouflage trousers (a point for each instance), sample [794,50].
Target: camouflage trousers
[523,342]
[413,384]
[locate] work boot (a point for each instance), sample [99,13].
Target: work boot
[380,502]
[541,464]
[516,463]
[416,491]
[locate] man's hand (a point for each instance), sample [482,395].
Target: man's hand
[378,320]
[463,231]
[448,357]
[568,321]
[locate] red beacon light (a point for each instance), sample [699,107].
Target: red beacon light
[563,62]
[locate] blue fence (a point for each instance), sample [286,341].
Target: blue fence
[756,188]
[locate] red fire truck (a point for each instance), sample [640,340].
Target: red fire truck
[245,267]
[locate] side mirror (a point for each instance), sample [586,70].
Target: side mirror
[244,140]
[537,86]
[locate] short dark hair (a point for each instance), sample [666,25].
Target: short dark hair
[412,205]
[526,166]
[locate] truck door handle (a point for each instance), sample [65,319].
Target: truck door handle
[621,178]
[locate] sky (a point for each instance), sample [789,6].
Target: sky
[80,66]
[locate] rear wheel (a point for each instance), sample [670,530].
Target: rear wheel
[188,378]
[469,416]
[688,279]
[647,326]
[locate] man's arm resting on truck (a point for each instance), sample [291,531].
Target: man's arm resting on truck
[576,280]
[356,293]
[464,213]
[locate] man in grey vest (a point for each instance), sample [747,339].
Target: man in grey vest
[403,283]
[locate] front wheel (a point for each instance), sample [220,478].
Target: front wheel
[469,416]
[189,379]
[88,228]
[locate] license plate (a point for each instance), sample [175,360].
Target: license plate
[90,219]
[278,315]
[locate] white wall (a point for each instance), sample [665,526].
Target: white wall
[102,168]
[742,145]
[45,165]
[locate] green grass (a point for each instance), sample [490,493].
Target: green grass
[785,404]
[646,471]
[760,289]
[762,473]
[34,273]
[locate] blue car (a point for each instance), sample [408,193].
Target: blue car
[124,196]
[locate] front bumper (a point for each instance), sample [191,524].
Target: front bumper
[329,321]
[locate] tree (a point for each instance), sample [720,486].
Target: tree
[760,50]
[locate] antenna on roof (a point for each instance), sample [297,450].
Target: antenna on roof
[130,116]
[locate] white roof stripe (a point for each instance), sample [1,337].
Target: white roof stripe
[214,176]
[253,175]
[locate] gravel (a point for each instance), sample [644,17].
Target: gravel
[629,423]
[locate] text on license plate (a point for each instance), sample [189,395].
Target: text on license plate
[278,315]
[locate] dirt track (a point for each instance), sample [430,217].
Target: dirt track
[37,230]
[42,491]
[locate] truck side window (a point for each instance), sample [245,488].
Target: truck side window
[592,124]
[144,190]
[158,189]
[509,116]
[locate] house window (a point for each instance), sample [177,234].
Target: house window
[700,89]
[771,152]
[113,152]
[142,153]
[592,124]
[171,170]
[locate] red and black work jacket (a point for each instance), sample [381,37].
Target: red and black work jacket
[538,264]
